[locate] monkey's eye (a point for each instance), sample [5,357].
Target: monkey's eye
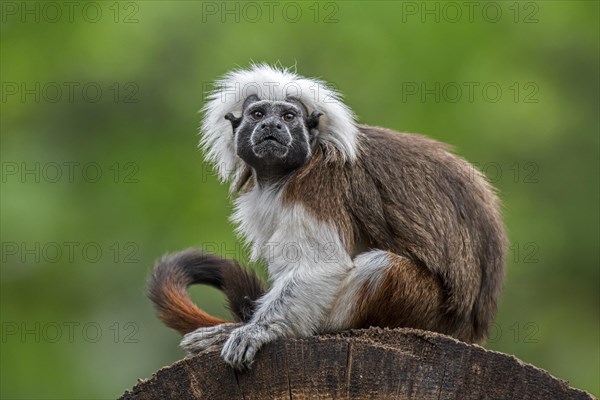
[289,117]
[258,115]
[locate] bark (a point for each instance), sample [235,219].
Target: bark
[361,364]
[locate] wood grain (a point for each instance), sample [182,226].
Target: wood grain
[361,364]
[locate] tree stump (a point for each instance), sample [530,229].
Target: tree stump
[361,364]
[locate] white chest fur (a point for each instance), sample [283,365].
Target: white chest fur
[286,237]
[257,215]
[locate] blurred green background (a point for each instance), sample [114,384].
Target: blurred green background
[101,174]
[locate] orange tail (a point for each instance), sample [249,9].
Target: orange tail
[167,289]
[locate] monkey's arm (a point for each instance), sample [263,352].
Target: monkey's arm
[303,291]
[295,306]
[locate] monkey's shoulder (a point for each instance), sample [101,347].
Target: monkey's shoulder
[388,143]
[414,159]
[384,157]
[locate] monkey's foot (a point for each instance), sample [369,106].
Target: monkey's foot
[243,343]
[207,338]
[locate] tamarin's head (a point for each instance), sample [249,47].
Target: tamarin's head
[274,137]
[278,118]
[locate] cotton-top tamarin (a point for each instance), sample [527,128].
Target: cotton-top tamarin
[359,226]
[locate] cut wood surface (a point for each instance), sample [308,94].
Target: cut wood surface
[360,364]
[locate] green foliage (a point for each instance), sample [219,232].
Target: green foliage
[77,325]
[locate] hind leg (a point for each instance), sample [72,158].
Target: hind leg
[387,290]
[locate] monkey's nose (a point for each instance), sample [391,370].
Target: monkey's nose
[277,126]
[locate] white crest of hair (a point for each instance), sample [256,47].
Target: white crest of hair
[337,126]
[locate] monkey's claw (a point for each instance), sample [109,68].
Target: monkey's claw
[243,343]
[207,338]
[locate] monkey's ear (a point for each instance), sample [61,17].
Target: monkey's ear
[235,122]
[249,100]
[313,120]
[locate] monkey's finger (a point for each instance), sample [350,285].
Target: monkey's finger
[235,350]
[203,338]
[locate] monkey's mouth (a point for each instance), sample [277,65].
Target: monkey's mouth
[270,145]
[272,138]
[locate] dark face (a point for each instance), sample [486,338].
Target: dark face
[274,137]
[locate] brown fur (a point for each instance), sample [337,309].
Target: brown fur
[181,314]
[409,195]
[407,296]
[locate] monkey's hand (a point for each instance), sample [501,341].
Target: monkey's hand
[243,343]
[207,338]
